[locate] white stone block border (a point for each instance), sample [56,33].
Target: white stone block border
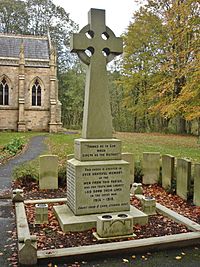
[191,225]
[27,246]
[132,246]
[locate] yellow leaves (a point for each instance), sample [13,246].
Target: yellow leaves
[144,258]
[52,265]
[125,260]
[178,257]
[194,112]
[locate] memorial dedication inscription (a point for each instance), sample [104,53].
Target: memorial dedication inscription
[102,186]
[91,149]
[97,177]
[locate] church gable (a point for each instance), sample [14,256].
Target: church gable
[28,84]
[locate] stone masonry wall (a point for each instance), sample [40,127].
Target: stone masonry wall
[8,119]
[37,120]
[36,117]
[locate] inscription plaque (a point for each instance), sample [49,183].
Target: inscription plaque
[95,187]
[94,149]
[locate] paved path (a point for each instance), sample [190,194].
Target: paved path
[35,147]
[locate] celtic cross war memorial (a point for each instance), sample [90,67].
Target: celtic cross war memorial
[97,177]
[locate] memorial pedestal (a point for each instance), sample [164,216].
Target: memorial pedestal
[98,186]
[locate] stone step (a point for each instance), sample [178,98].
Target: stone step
[73,223]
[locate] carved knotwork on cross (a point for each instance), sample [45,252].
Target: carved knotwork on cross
[103,46]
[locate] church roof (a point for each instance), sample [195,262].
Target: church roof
[35,47]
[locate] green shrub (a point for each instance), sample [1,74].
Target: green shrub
[172,189]
[138,174]
[29,172]
[14,146]
[26,173]
[62,176]
[160,177]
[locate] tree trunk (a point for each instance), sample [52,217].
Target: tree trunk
[189,127]
[181,125]
[164,124]
[198,129]
[135,124]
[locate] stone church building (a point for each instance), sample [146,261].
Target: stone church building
[28,84]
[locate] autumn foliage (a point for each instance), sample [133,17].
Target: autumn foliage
[161,70]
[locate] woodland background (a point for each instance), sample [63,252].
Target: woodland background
[154,86]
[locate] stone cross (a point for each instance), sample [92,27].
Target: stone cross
[96,45]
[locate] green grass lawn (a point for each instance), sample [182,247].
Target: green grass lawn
[136,143]
[180,146]
[15,141]
[62,144]
[6,137]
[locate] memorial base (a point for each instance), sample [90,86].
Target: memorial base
[72,223]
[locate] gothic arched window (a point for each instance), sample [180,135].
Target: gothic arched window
[4,92]
[36,94]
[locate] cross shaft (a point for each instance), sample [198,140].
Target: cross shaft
[103,46]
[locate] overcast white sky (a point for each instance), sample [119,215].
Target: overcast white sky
[118,13]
